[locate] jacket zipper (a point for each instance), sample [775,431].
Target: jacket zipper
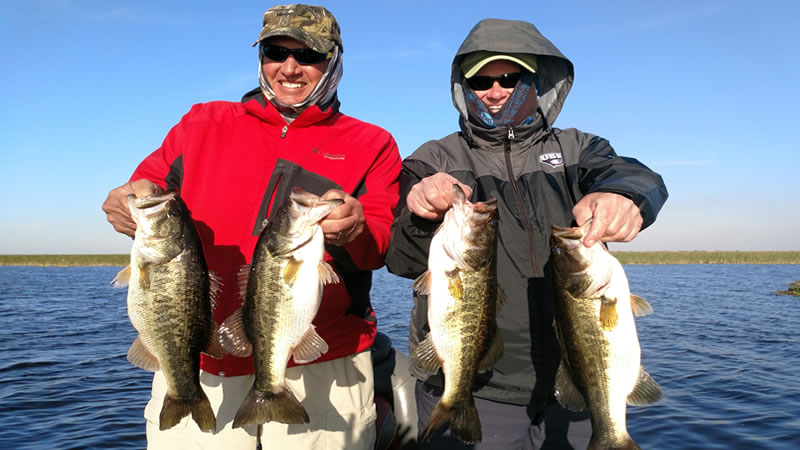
[518,196]
[284,130]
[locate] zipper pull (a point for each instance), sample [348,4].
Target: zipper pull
[284,130]
[510,133]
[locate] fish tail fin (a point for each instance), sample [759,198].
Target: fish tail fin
[174,409]
[440,415]
[262,407]
[463,418]
[465,424]
[626,443]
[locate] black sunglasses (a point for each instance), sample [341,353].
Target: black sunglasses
[303,56]
[482,82]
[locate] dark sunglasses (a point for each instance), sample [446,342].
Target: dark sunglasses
[303,56]
[482,82]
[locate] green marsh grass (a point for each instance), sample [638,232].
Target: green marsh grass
[64,260]
[688,257]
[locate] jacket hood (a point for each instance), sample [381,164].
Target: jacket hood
[554,70]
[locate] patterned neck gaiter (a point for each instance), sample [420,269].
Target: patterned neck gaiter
[519,109]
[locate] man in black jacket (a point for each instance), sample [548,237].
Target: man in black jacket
[509,84]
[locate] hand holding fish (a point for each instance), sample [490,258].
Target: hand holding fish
[615,218]
[433,196]
[116,207]
[346,222]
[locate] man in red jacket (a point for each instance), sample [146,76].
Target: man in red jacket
[234,163]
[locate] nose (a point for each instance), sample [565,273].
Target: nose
[290,66]
[496,91]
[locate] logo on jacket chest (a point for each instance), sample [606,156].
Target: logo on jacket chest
[552,159]
[327,155]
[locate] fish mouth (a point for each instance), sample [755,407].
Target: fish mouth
[153,199]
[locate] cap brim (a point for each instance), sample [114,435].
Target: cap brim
[477,67]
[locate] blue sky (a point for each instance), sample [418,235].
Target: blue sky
[704,92]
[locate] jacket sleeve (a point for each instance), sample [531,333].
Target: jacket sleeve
[411,235]
[378,195]
[600,169]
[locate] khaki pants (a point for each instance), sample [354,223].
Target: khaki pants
[338,396]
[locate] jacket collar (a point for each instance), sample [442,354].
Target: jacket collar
[494,139]
[255,104]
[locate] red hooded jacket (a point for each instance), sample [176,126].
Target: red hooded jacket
[232,162]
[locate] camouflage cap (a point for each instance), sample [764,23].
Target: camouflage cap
[314,26]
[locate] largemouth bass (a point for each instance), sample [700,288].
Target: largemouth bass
[600,366]
[170,304]
[463,298]
[282,294]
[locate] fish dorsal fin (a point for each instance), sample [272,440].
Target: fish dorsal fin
[646,390]
[608,313]
[426,357]
[141,357]
[639,306]
[232,336]
[326,274]
[123,277]
[493,354]
[291,270]
[566,393]
[242,274]
[454,285]
[214,347]
[310,347]
[422,284]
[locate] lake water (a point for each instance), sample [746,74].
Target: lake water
[722,346]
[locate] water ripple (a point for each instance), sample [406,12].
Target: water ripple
[720,344]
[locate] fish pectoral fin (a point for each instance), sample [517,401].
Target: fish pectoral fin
[608,313]
[566,392]
[501,298]
[214,288]
[232,337]
[242,274]
[646,391]
[291,270]
[493,354]
[454,285]
[123,277]
[639,306]
[422,284]
[310,347]
[141,357]
[326,274]
[426,357]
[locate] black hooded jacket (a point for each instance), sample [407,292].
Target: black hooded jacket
[537,173]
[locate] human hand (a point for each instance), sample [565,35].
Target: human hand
[433,195]
[116,205]
[615,218]
[344,223]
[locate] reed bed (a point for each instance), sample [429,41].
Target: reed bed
[64,260]
[708,257]
[686,257]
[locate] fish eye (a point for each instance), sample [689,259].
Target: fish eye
[556,251]
[174,212]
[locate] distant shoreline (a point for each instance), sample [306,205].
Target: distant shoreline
[677,257]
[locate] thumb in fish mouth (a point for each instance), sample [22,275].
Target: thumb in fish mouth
[143,187]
